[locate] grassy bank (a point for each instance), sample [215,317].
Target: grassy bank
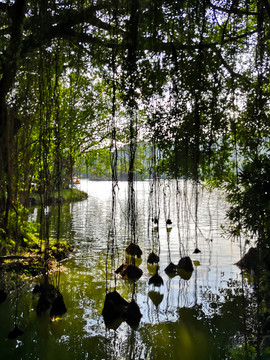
[67,195]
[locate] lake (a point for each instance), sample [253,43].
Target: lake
[196,318]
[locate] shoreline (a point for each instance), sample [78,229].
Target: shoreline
[35,257]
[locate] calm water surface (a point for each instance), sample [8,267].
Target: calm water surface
[199,318]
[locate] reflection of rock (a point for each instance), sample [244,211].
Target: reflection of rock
[156,297]
[114,324]
[196,263]
[116,309]
[50,297]
[13,334]
[156,280]
[152,268]
[185,275]
[133,314]
[58,306]
[134,250]
[250,260]
[153,258]
[129,271]
[130,259]
[171,269]
[185,263]
[47,295]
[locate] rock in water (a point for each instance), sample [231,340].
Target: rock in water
[120,269]
[134,250]
[185,263]
[132,272]
[171,269]
[128,271]
[153,258]
[250,260]
[114,307]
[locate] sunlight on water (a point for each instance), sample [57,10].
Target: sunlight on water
[182,319]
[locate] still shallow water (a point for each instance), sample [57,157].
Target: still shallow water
[190,319]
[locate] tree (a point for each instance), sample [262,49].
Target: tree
[196,69]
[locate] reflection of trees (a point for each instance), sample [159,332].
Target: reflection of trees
[196,335]
[202,331]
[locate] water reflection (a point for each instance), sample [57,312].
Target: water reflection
[192,317]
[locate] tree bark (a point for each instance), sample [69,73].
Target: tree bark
[11,57]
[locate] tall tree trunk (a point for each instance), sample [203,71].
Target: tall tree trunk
[16,12]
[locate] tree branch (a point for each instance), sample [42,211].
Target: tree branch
[233,10]
[12,53]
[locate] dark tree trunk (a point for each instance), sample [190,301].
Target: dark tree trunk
[10,58]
